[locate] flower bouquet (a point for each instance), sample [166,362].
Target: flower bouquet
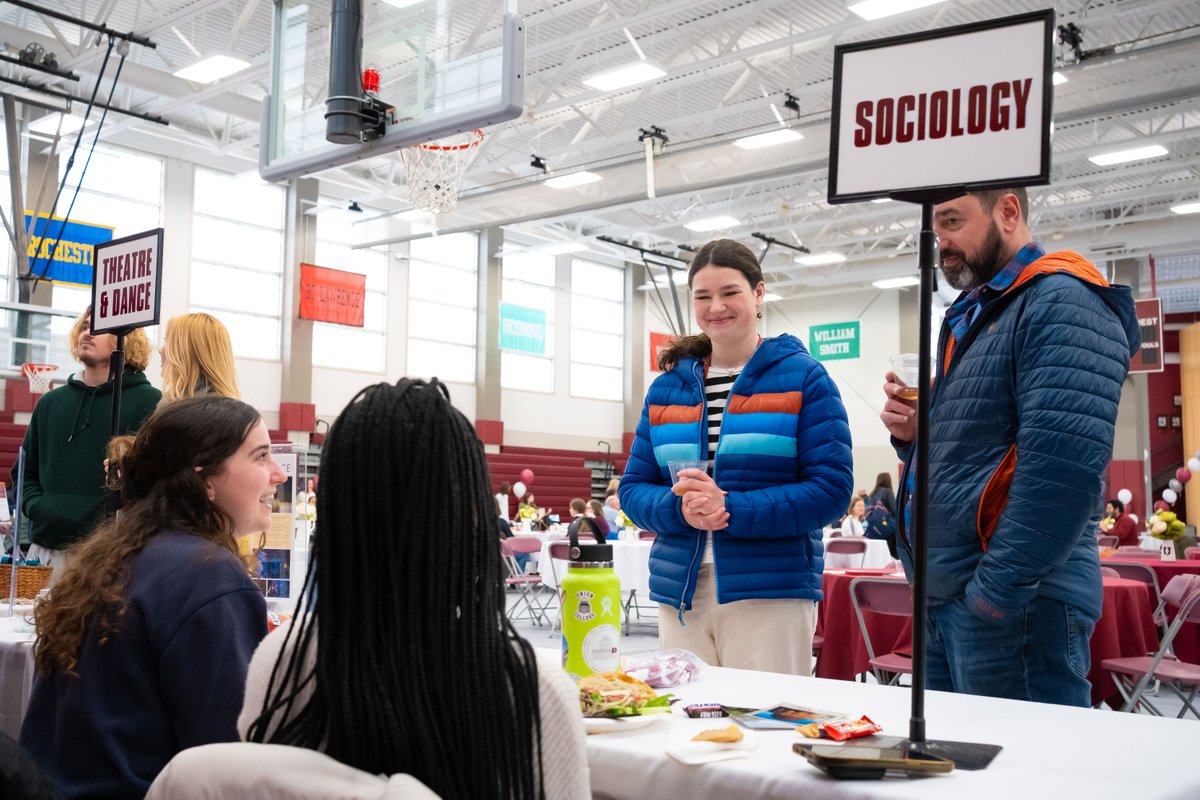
[1166,527]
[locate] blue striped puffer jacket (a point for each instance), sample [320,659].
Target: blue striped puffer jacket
[783,457]
[1022,422]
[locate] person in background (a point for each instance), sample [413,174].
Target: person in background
[1123,527]
[528,510]
[852,523]
[435,682]
[596,512]
[67,435]
[506,532]
[197,358]
[143,644]
[1031,359]
[612,511]
[613,485]
[502,500]
[737,560]
[883,494]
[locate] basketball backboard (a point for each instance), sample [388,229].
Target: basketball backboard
[445,66]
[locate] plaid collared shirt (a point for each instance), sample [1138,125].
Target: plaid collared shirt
[960,315]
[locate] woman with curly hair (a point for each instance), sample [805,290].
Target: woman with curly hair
[143,644]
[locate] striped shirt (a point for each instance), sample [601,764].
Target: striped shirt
[717,384]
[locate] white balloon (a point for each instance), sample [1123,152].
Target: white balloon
[1170,496]
[1134,517]
[1175,485]
[1194,464]
[519,490]
[1125,496]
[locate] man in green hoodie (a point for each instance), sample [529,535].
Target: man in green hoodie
[67,436]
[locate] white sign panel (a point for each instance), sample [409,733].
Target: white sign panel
[961,107]
[127,274]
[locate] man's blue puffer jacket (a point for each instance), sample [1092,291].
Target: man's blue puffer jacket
[783,457]
[1022,423]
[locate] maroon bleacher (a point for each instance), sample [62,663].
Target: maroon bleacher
[11,436]
[559,475]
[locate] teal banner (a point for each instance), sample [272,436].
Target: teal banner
[833,342]
[522,330]
[71,261]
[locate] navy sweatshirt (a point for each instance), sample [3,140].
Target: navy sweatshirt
[172,677]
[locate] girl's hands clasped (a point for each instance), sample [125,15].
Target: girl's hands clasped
[703,500]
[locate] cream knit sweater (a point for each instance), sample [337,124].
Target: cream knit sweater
[564,752]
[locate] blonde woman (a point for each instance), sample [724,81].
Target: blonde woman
[197,358]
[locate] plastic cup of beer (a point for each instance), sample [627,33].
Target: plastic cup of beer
[684,463]
[905,366]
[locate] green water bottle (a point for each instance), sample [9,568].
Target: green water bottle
[591,606]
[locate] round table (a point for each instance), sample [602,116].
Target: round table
[1125,628]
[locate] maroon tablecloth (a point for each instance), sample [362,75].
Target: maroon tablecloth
[1187,642]
[1126,628]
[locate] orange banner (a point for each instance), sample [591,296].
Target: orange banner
[332,295]
[658,343]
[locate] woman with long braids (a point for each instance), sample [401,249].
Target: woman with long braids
[144,643]
[416,668]
[737,561]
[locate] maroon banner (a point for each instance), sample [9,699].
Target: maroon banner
[332,295]
[658,343]
[1149,357]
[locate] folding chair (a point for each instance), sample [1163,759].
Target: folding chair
[848,546]
[529,587]
[1109,572]
[559,551]
[1192,553]
[891,596]
[1106,541]
[1136,571]
[650,536]
[1133,675]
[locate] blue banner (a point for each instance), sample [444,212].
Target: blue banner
[72,261]
[522,329]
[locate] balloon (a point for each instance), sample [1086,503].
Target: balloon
[1134,517]
[1170,496]
[527,476]
[519,490]
[1183,475]
[1125,496]
[1175,485]
[1194,464]
[1162,505]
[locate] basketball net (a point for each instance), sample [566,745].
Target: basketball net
[435,171]
[39,376]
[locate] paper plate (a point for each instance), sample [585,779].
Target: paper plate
[596,725]
[681,747]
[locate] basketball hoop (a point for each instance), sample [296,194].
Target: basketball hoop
[39,376]
[435,171]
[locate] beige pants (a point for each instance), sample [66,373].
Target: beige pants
[764,635]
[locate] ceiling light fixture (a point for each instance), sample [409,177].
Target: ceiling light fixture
[712,224]
[896,283]
[1187,208]
[48,124]
[564,248]
[403,3]
[678,277]
[820,259]
[1132,154]
[572,179]
[212,69]
[621,77]
[778,136]
[878,9]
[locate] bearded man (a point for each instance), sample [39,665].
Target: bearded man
[1031,358]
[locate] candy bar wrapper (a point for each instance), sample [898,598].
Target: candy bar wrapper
[850,729]
[705,710]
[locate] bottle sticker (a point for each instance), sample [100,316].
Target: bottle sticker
[601,648]
[584,612]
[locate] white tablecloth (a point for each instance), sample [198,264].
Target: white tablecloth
[1049,751]
[631,563]
[16,669]
[877,556]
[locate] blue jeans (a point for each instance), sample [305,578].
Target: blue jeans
[1040,653]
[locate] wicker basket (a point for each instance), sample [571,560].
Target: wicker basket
[30,580]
